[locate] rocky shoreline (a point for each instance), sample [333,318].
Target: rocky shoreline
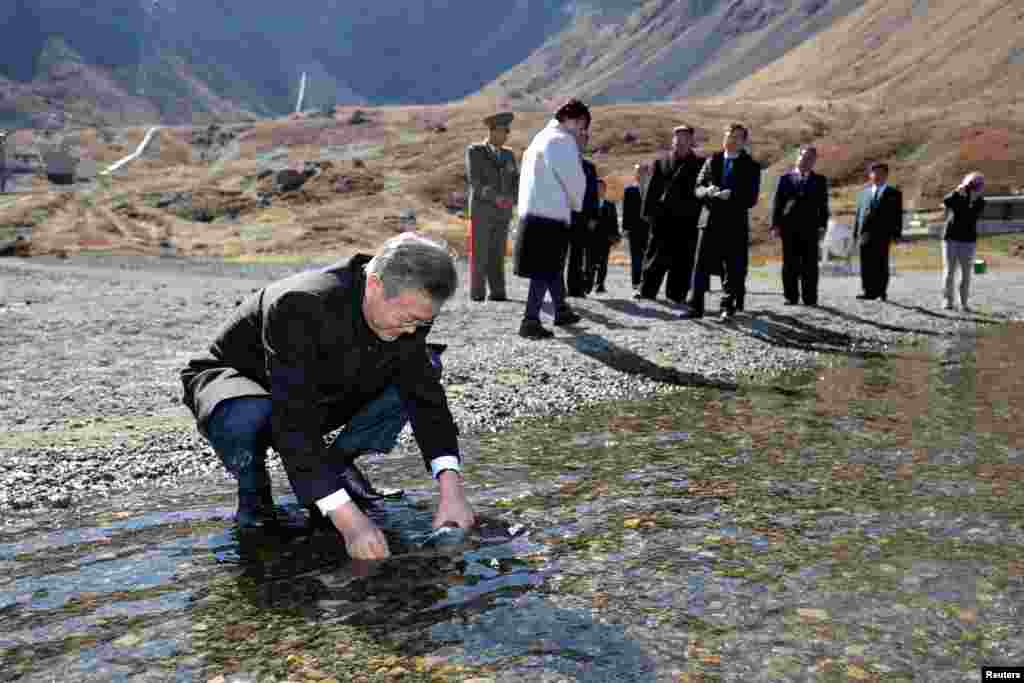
[89,395]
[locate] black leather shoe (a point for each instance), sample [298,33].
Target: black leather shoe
[532,329]
[790,302]
[865,297]
[497,298]
[640,296]
[360,489]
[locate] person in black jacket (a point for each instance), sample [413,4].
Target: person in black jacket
[729,184]
[604,235]
[878,223]
[959,239]
[577,278]
[345,345]
[673,212]
[634,223]
[800,215]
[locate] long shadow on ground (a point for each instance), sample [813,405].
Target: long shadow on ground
[618,358]
[921,310]
[789,332]
[874,323]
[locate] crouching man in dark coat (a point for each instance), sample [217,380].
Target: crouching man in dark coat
[343,346]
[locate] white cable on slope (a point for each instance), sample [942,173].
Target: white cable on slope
[137,153]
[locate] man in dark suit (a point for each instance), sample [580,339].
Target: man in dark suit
[635,224]
[673,211]
[800,215]
[584,221]
[879,221]
[729,184]
[604,235]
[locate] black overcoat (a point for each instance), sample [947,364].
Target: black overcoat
[304,343]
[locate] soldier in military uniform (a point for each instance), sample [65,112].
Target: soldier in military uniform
[493,187]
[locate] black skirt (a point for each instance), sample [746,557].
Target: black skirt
[540,246]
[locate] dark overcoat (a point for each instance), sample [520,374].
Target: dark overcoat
[731,216]
[304,343]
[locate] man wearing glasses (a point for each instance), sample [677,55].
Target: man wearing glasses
[344,346]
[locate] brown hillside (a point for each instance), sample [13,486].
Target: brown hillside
[207,190]
[906,53]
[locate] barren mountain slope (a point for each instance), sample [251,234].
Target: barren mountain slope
[906,52]
[642,51]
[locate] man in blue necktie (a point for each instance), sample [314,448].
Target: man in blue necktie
[878,223]
[729,185]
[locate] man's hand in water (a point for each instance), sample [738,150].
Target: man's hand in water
[453,506]
[363,540]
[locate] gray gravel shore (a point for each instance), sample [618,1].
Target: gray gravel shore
[89,392]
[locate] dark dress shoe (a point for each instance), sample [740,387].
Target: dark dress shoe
[532,329]
[865,297]
[790,302]
[640,296]
[360,489]
[255,510]
[497,298]
[601,290]
[477,299]
[567,318]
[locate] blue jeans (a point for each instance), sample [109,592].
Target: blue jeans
[239,429]
[539,286]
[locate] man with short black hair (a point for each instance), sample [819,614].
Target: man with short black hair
[729,184]
[604,234]
[673,211]
[799,216]
[879,222]
[345,345]
[634,223]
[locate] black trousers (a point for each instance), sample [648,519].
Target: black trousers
[726,252]
[673,257]
[800,265]
[874,267]
[576,277]
[638,238]
[597,260]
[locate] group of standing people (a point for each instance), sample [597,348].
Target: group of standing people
[567,227]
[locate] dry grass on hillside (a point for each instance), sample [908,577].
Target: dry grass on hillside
[404,158]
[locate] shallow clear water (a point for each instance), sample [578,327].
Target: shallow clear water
[858,522]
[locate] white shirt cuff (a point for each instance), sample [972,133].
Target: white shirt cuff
[444,462]
[334,501]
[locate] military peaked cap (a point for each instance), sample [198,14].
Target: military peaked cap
[500,120]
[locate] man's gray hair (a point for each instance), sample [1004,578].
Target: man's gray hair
[411,261]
